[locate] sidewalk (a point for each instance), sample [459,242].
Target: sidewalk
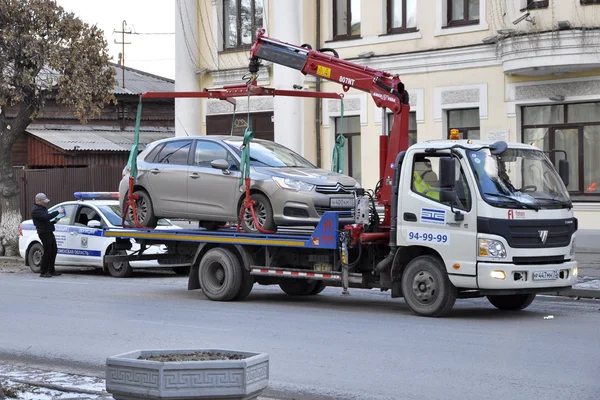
[36,384]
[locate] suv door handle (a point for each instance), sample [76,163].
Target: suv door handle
[155,170]
[194,176]
[410,217]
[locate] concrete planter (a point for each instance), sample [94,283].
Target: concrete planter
[128,378]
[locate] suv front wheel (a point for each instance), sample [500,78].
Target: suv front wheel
[264,215]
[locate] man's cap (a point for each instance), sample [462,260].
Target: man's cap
[42,197]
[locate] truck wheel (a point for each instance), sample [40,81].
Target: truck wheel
[34,257]
[246,287]
[145,211]
[297,287]
[181,270]
[220,274]
[513,302]
[319,287]
[120,269]
[264,215]
[426,287]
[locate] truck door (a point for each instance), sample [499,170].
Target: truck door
[425,221]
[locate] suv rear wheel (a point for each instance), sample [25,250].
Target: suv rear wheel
[144,210]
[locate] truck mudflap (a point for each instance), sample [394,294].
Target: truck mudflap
[526,278]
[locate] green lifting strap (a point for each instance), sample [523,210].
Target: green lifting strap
[248,136]
[338,149]
[233,120]
[132,162]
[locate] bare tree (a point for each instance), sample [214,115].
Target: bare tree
[44,51]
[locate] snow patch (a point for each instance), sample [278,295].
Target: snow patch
[593,284]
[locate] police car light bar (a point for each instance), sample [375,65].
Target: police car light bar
[97,195]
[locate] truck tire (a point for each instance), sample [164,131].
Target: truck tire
[264,215]
[246,287]
[145,211]
[319,287]
[426,287]
[34,257]
[297,287]
[181,270]
[119,269]
[220,274]
[513,302]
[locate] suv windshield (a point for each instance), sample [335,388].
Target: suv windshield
[519,178]
[270,154]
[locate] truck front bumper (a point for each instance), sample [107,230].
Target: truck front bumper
[526,277]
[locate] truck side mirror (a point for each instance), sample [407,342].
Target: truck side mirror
[563,171]
[447,172]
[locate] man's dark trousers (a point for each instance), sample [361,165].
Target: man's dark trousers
[50,250]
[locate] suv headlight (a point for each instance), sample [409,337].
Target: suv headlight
[491,248]
[293,184]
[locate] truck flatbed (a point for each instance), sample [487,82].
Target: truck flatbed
[324,236]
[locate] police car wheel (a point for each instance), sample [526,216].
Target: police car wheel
[120,269]
[34,257]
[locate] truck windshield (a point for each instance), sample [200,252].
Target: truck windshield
[518,178]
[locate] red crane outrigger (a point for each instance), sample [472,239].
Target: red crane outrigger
[386,89]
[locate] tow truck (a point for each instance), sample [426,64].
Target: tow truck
[497,221]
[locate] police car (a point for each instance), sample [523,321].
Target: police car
[79,236]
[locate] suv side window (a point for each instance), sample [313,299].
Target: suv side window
[425,181]
[174,152]
[206,152]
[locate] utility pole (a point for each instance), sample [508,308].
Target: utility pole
[123,42]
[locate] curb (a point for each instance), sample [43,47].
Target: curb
[12,259]
[587,250]
[583,293]
[51,386]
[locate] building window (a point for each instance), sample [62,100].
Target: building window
[350,128]
[466,121]
[412,127]
[401,16]
[574,128]
[463,12]
[534,4]
[588,2]
[242,18]
[346,19]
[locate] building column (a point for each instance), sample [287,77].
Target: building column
[188,112]
[286,25]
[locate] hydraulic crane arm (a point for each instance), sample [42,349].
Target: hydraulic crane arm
[387,91]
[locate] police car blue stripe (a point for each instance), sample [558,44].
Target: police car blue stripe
[80,252]
[65,228]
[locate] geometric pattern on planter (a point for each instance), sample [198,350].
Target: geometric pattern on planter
[257,373]
[145,378]
[176,379]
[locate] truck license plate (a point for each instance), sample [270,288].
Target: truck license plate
[545,275]
[341,203]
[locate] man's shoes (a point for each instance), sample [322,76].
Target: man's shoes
[46,275]
[55,273]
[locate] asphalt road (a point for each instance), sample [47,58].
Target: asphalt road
[365,346]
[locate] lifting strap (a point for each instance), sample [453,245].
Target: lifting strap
[131,201]
[337,164]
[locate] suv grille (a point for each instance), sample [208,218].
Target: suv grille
[337,189]
[347,211]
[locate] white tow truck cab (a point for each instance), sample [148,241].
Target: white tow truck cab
[498,215]
[468,219]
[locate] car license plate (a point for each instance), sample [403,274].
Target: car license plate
[341,203]
[545,275]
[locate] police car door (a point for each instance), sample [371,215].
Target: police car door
[86,243]
[62,234]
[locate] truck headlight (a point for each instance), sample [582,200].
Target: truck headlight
[491,248]
[572,252]
[293,184]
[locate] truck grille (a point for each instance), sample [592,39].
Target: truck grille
[530,233]
[337,189]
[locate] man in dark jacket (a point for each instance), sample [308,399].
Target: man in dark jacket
[44,224]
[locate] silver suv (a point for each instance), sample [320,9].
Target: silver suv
[197,178]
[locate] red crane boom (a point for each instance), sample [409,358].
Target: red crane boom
[387,91]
